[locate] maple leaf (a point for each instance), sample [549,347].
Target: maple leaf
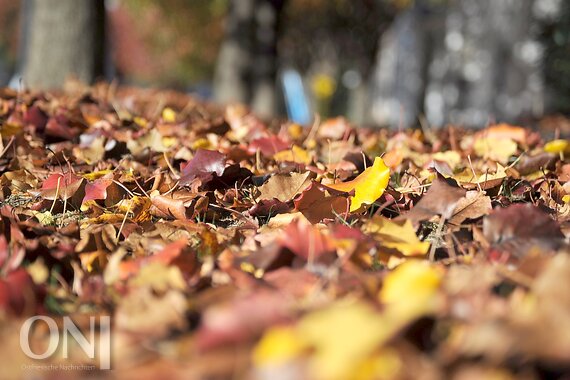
[367,187]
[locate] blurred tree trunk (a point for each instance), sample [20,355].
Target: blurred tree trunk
[236,54]
[468,62]
[556,62]
[247,64]
[267,17]
[65,38]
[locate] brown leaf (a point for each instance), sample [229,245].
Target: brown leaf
[316,205]
[174,205]
[530,164]
[519,228]
[285,187]
[440,199]
[474,205]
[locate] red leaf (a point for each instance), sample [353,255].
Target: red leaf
[306,241]
[204,165]
[242,318]
[61,186]
[268,145]
[168,255]
[36,117]
[97,189]
[19,294]
[58,126]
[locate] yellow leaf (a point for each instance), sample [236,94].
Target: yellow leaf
[497,149]
[91,260]
[295,154]
[140,121]
[95,175]
[368,186]
[386,364]
[451,157]
[170,141]
[138,206]
[202,143]
[38,271]
[557,146]
[343,335]
[344,340]
[94,153]
[470,180]
[410,290]
[295,131]
[398,235]
[160,277]
[566,199]
[278,345]
[151,140]
[169,115]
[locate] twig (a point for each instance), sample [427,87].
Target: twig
[176,175]
[123,223]
[56,195]
[474,174]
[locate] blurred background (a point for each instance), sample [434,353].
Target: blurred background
[394,63]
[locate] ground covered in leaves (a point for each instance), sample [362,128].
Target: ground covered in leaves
[225,247]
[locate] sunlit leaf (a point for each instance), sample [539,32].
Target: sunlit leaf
[278,345]
[342,335]
[368,186]
[557,146]
[399,235]
[495,148]
[410,290]
[295,154]
[169,115]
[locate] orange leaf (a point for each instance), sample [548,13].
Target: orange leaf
[505,131]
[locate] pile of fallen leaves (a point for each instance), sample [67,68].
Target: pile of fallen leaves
[225,247]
